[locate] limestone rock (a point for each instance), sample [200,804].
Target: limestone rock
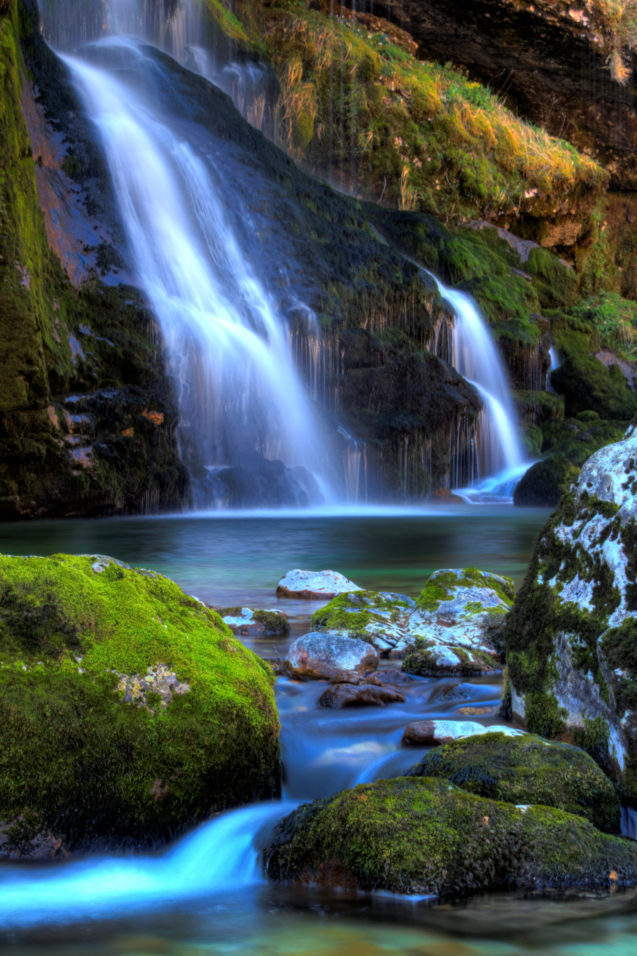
[247,622]
[314,585]
[379,617]
[572,633]
[325,655]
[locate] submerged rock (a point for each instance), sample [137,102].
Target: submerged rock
[314,585]
[359,695]
[325,655]
[427,836]
[428,733]
[572,633]
[128,711]
[525,769]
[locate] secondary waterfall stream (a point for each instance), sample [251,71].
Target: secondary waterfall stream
[500,457]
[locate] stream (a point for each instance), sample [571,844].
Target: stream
[206,894]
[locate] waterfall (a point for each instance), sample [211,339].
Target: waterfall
[240,397]
[473,353]
[220,856]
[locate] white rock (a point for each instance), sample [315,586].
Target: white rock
[314,584]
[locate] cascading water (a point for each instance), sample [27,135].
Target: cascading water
[500,457]
[239,394]
[221,856]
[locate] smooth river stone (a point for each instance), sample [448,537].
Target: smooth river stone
[428,733]
[314,585]
[324,655]
[359,695]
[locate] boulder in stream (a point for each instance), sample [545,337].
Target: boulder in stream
[128,711]
[431,733]
[525,769]
[326,655]
[379,617]
[359,695]
[247,622]
[314,585]
[427,836]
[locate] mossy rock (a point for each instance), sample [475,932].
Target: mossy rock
[586,383]
[128,711]
[545,482]
[425,835]
[527,770]
[555,283]
[466,592]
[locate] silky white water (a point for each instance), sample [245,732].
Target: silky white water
[220,856]
[229,352]
[500,457]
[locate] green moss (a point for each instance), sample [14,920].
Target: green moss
[587,383]
[555,283]
[441,586]
[274,623]
[84,763]
[527,770]
[424,835]
[422,660]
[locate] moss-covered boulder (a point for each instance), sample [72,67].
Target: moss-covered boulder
[586,383]
[545,482]
[379,617]
[457,624]
[572,633]
[425,835]
[526,769]
[128,711]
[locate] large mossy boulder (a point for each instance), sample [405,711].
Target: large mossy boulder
[425,835]
[572,633]
[128,711]
[525,769]
[379,617]
[588,384]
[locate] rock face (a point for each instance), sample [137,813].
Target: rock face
[128,711]
[524,769]
[572,633]
[424,835]
[324,655]
[429,733]
[314,585]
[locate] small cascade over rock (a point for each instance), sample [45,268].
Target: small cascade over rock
[469,347]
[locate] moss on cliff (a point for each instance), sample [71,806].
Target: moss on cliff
[96,742]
